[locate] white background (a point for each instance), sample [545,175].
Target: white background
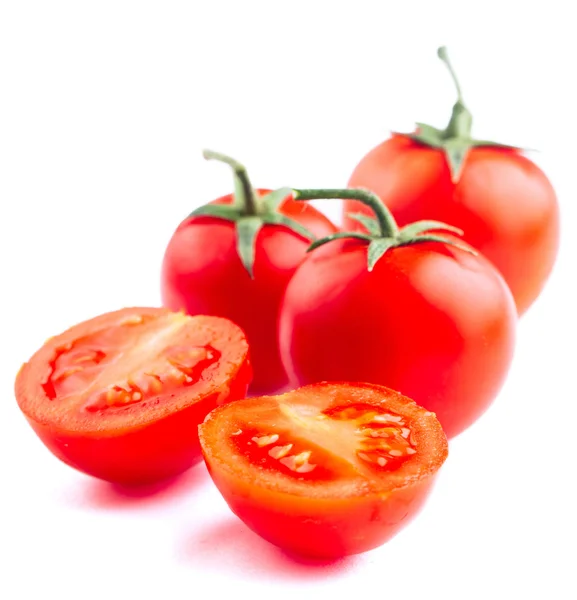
[104,109]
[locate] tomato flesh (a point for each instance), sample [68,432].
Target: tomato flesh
[120,396]
[326,470]
[114,367]
[333,442]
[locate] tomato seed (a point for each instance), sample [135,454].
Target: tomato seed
[265,440]
[364,456]
[66,373]
[387,418]
[280,451]
[299,463]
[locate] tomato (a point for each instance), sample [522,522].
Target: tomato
[408,310]
[120,396]
[502,201]
[216,264]
[326,470]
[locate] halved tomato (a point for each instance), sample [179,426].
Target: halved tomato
[327,470]
[120,396]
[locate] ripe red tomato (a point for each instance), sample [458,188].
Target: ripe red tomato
[120,396]
[435,322]
[326,470]
[206,270]
[502,201]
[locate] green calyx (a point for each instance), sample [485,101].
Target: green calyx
[249,211]
[383,231]
[455,140]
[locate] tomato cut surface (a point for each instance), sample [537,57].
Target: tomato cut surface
[326,470]
[120,396]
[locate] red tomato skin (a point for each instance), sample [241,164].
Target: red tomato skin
[321,528]
[503,202]
[143,454]
[430,321]
[202,274]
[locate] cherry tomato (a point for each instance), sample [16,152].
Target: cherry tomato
[120,396]
[408,310]
[502,201]
[216,264]
[326,470]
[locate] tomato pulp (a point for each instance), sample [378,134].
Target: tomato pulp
[326,470]
[120,396]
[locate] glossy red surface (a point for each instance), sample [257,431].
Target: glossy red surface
[431,321]
[503,202]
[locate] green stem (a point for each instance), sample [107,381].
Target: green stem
[387,223]
[248,195]
[461,120]
[444,56]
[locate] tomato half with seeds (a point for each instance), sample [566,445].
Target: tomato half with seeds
[326,470]
[120,396]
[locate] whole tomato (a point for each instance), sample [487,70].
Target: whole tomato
[504,203]
[407,308]
[234,257]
